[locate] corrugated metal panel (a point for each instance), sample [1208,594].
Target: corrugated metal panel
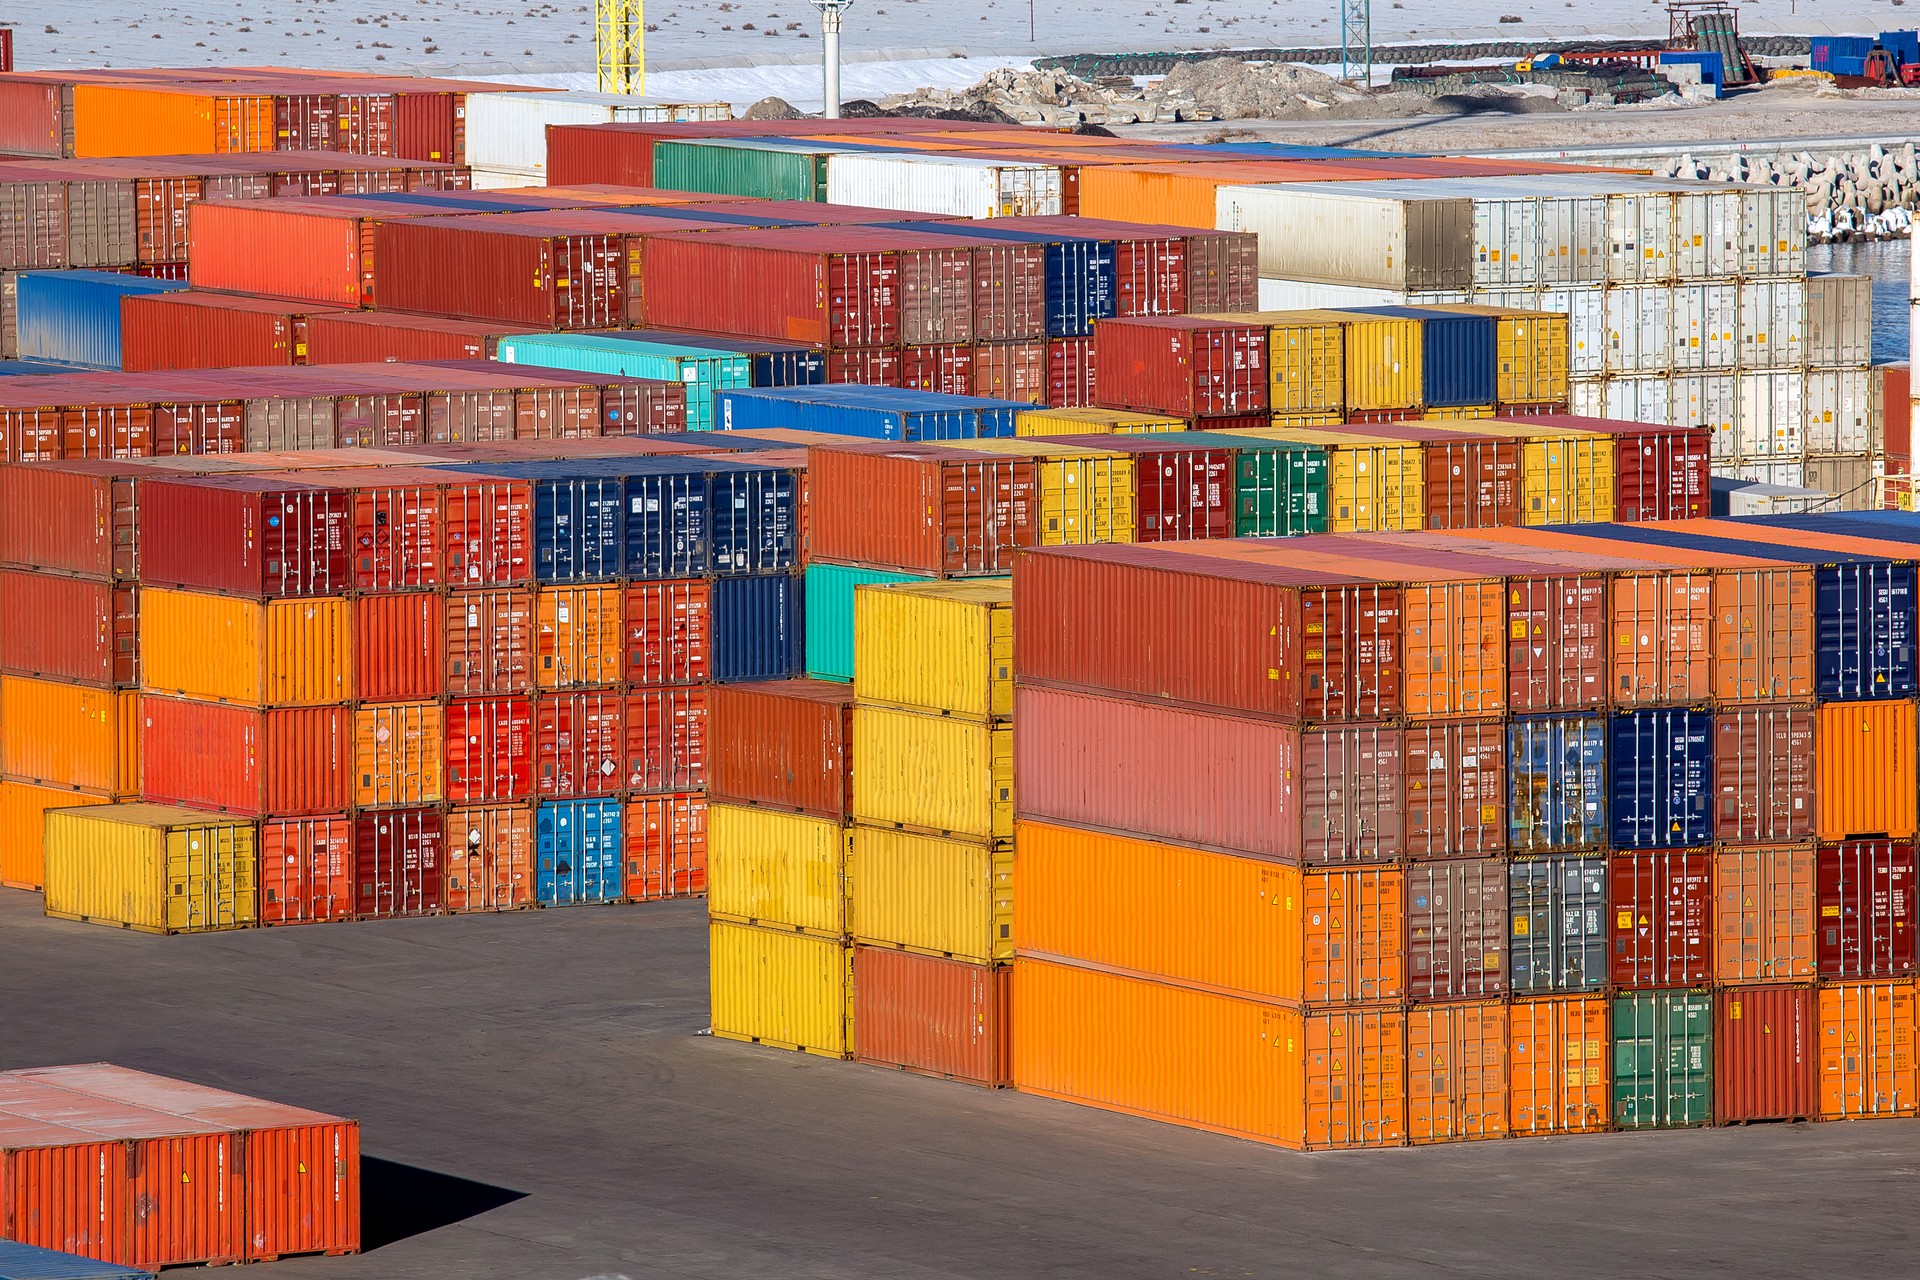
[933,1016]
[784,989]
[1765,1054]
[579,853]
[1663,1060]
[152,868]
[74,316]
[1558,1049]
[1559,922]
[1764,903]
[933,774]
[1662,779]
[1457,1072]
[1865,756]
[1456,914]
[1662,906]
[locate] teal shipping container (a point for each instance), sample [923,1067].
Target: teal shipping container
[766,168]
[828,615]
[702,370]
[1663,1060]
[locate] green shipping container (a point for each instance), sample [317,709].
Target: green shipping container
[829,615]
[1663,1060]
[1280,486]
[703,371]
[758,167]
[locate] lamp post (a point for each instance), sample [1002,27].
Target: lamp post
[831,11]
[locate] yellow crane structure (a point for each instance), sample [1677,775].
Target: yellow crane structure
[620,45]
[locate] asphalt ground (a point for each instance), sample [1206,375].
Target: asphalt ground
[538,1100]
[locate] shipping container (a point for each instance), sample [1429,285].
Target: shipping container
[245,536]
[1073,374]
[1456,920]
[278,653]
[1839,312]
[777,870]
[943,647]
[578,745]
[1764,1055]
[1184,482]
[801,284]
[74,316]
[245,761]
[931,894]
[933,774]
[868,412]
[398,646]
[578,636]
[1456,789]
[353,337]
[1557,771]
[1086,421]
[496,748]
[1457,1073]
[1866,929]
[489,858]
[1374,234]
[932,1016]
[666,740]
[1374,484]
[482,269]
[152,868]
[783,744]
[1077,271]
[701,371]
[71,737]
[1864,752]
[489,642]
[1661,783]
[1663,1052]
[1184,366]
[1004,186]
[781,988]
[1086,495]
[666,854]
[1170,270]
[399,863]
[1662,906]
[758,627]
[69,629]
[1867,1065]
[1764,904]
[23,809]
[579,852]
[986,508]
[1558,1049]
[1559,921]
[1337,1080]
[306,870]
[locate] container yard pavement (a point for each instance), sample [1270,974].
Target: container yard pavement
[542,1072]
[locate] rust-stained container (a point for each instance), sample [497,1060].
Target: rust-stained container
[355,337]
[399,863]
[1662,629]
[1456,917]
[666,855]
[23,820]
[785,743]
[1557,1049]
[63,735]
[1662,906]
[398,643]
[1765,1055]
[1321,795]
[1011,371]
[284,763]
[933,1016]
[475,269]
[579,744]
[210,331]
[577,637]
[245,536]
[70,629]
[803,284]
[1072,374]
[666,740]
[1456,789]
[148,1172]
[306,870]
[1182,365]
[1867,1065]
[1764,898]
[944,370]
[490,749]
[489,524]
[1161,623]
[1218,921]
[1864,754]
[1457,1074]
[489,641]
[921,509]
[399,528]
[668,632]
[1866,921]
[397,754]
[489,858]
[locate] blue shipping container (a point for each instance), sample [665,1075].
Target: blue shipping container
[1557,782]
[29,1262]
[1903,45]
[74,316]
[1712,66]
[1557,931]
[1457,358]
[757,628]
[1081,276]
[577,509]
[873,413]
[1852,50]
[35,368]
[580,849]
[702,370]
[1661,762]
[773,365]
[754,513]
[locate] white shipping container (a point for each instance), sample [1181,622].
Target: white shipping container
[1381,235]
[1773,231]
[1839,325]
[1587,397]
[1787,473]
[507,132]
[933,183]
[1506,243]
[1738,496]
[1771,315]
[1706,232]
[1639,399]
[1710,400]
[1574,242]
[1772,415]
[1848,477]
[1706,325]
[1585,307]
[1838,404]
[1303,295]
[1639,237]
[1639,328]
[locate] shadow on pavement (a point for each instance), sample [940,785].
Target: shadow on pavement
[398,1201]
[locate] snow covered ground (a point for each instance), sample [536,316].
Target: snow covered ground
[536,41]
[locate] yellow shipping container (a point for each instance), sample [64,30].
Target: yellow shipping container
[166,120]
[932,773]
[931,894]
[777,870]
[278,653]
[152,867]
[1086,495]
[1285,420]
[1373,485]
[578,636]
[68,735]
[775,987]
[942,647]
[1384,359]
[1534,351]
[397,753]
[1567,475]
[1307,353]
[23,822]
[1089,422]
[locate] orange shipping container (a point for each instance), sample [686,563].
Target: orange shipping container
[490,858]
[1456,789]
[1764,901]
[1309,1081]
[1456,1071]
[273,653]
[1557,1047]
[666,846]
[306,870]
[933,1016]
[1866,1050]
[1232,924]
[1763,633]
[1454,636]
[168,120]
[23,820]
[1662,636]
[489,647]
[1863,753]
[397,642]
[67,735]
[396,754]
[578,634]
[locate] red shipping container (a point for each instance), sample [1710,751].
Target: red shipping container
[1160,623]
[1009,289]
[1321,796]
[1181,365]
[489,522]
[1456,789]
[490,746]
[1472,482]
[399,863]
[198,427]
[933,1016]
[399,527]
[666,740]
[667,628]
[468,267]
[1070,374]
[800,284]
[306,870]
[1763,776]
[107,431]
[72,629]
[1896,395]
[936,282]
[666,846]
[1011,371]
[921,509]
[315,249]
[242,760]
[490,858]
[947,370]
[398,646]
[72,517]
[1662,908]
[1457,929]
[190,330]
[1181,492]
[1866,920]
[579,744]
[430,126]
[786,744]
[1557,642]
[351,337]
[1162,270]
[866,366]
[245,536]
[1661,472]
[622,154]
[1765,1055]
[32,117]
